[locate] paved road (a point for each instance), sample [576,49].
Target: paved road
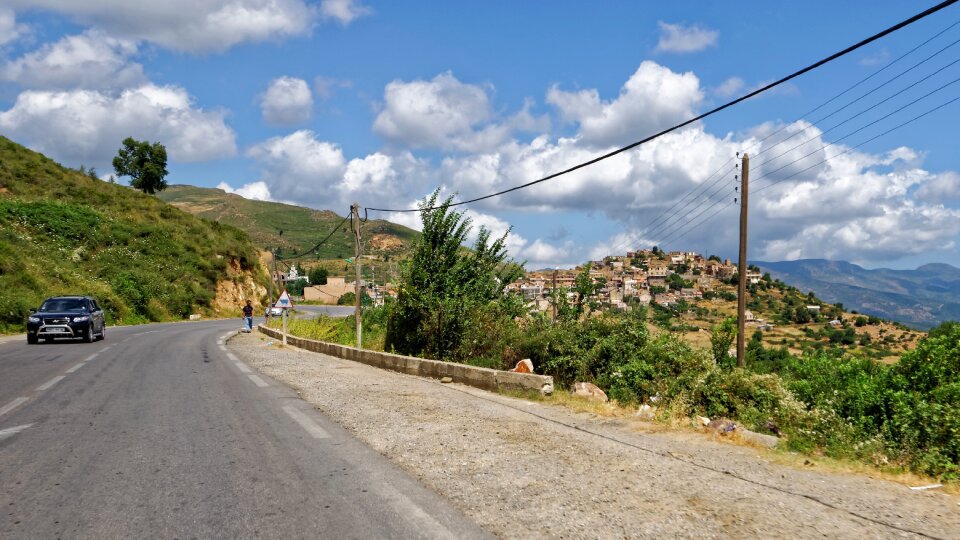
[159,432]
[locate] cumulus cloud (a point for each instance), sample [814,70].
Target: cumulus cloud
[652,99]
[729,87]
[677,38]
[302,168]
[88,60]
[343,11]
[440,113]
[287,101]
[10,30]
[256,191]
[86,126]
[940,188]
[188,25]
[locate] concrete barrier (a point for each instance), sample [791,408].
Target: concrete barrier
[485,378]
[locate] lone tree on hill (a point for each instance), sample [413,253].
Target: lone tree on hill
[144,163]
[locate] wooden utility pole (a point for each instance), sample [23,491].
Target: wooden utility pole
[553,293]
[355,210]
[742,278]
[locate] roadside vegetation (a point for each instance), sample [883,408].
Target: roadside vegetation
[833,401]
[64,231]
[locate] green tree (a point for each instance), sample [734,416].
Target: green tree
[584,286]
[721,337]
[443,288]
[318,276]
[144,163]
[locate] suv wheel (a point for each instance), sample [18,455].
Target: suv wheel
[32,340]
[88,335]
[103,332]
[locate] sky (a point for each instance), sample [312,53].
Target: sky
[325,103]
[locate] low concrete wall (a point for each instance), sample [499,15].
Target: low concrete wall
[485,378]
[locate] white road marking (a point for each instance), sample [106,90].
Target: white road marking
[47,385]
[74,368]
[233,357]
[222,348]
[13,405]
[410,511]
[243,367]
[107,348]
[9,432]
[306,423]
[89,358]
[258,381]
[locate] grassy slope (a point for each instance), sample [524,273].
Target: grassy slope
[302,227]
[63,232]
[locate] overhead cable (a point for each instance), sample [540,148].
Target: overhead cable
[715,110]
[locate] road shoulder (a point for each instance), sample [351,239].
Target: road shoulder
[525,469]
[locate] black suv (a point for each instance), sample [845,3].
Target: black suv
[66,317]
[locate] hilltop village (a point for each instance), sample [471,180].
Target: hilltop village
[639,277]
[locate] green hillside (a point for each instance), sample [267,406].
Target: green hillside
[302,227]
[64,232]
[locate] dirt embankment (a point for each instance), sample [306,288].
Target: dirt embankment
[529,470]
[233,292]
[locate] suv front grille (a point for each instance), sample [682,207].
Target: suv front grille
[56,321]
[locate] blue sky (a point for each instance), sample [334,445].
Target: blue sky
[322,103]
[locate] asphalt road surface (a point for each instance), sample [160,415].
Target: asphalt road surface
[159,432]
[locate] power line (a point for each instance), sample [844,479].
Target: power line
[646,230]
[848,104]
[670,230]
[865,126]
[715,110]
[320,243]
[852,148]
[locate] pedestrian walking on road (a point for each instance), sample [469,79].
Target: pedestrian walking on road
[248,316]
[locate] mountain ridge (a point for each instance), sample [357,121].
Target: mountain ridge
[922,298]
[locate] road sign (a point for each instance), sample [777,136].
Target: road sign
[284,301]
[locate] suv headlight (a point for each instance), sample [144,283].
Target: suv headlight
[33,319]
[82,318]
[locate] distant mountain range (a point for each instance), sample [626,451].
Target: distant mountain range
[921,298]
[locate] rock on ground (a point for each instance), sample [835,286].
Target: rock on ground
[523,469]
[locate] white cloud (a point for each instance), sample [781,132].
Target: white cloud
[88,60]
[941,188]
[188,25]
[344,11]
[441,113]
[729,87]
[10,30]
[677,38]
[303,169]
[325,87]
[652,99]
[287,101]
[86,126]
[256,191]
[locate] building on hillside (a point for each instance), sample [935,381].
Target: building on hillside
[690,293]
[656,281]
[330,293]
[531,292]
[658,268]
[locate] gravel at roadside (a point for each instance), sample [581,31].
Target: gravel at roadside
[522,469]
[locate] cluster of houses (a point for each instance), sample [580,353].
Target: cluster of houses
[643,276]
[335,287]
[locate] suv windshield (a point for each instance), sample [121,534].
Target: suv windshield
[62,304]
